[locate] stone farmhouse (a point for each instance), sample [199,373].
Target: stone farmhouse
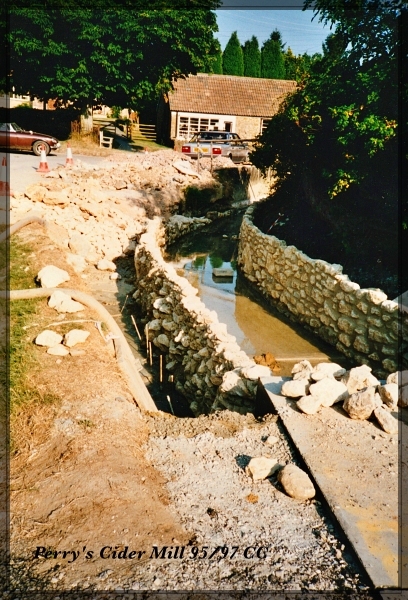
[205,102]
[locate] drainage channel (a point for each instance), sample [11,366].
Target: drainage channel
[257,327]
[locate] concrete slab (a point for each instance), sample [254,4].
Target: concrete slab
[355,465]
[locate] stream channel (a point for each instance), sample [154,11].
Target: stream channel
[257,326]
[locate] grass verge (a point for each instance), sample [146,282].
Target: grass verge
[23,362]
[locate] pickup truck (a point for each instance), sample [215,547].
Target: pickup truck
[220,143]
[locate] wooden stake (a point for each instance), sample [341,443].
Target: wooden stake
[136,327]
[161,368]
[150,353]
[147,338]
[171,406]
[124,304]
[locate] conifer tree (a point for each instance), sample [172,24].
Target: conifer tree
[252,58]
[272,59]
[233,58]
[217,64]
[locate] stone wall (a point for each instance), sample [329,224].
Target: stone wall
[248,127]
[361,323]
[208,366]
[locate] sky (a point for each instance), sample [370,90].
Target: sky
[298,30]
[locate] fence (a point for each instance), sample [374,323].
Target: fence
[140,132]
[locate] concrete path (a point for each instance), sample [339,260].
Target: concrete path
[355,465]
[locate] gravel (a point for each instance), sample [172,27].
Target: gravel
[203,461]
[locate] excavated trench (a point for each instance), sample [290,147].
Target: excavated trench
[258,328]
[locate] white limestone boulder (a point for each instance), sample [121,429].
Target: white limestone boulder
[105,265]
[255,372]
[77,262]
[261,467]
[385,419]
[323,370]
[296,483]
[295,388]
[75,336]
[360,405]
[48,338]
[51,276]
[309,405]
[63,303]
[302,370]
[58,350]
[389,394]
[329,391]
[359,378]
[271,440]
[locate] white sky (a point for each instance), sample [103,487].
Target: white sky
[298,30]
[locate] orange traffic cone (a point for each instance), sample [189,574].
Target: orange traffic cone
[69,162]
[43,168]
[4,184]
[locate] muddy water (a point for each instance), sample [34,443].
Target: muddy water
[257,327]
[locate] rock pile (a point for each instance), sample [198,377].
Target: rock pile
[208,366]
[59,345]
[361,394]
[97,212]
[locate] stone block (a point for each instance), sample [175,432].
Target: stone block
[361,344]
[361,405]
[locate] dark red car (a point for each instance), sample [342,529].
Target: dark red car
[14,137]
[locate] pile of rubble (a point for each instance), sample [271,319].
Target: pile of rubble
[97,212]
[362,394]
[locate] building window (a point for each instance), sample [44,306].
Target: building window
[264,124]
[188,126]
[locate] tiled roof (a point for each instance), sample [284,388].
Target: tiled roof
[229,95]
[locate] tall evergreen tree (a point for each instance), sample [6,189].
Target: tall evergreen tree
[233,57]
[276,36]
[217,64]
[272,60]
[252,58]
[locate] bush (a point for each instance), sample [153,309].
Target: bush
[51,122]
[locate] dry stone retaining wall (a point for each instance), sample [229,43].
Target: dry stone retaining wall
[361,323]
[208,366]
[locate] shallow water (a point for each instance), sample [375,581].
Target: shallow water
[258,329]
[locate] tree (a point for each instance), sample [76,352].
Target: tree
[252,58]
[216,67]
[233,58]
[334,141]
[276,36]
[297,66]
[272,61]
[116,57]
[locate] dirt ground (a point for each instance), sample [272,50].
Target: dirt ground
[79,479]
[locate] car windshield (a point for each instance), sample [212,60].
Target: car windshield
[15,127]
[212,135]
